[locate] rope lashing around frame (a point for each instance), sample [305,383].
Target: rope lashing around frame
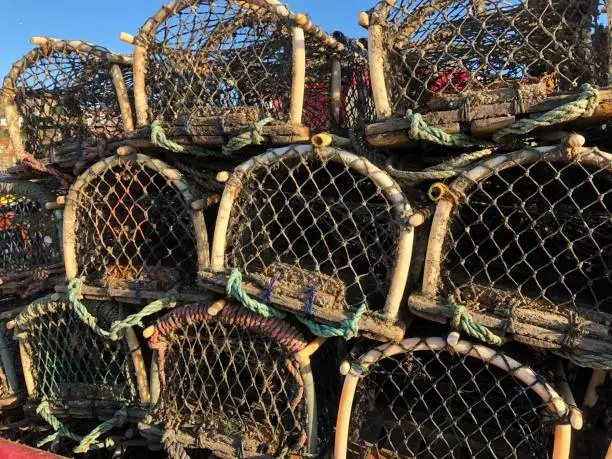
[235,290]
[462,320]
[251,136]
[31,162]
[173,446]
[584,105]
[74,296]
[348,328]
[160,139]
[420,130]
[88,442]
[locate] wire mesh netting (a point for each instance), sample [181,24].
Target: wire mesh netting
[431,402]
[68,361]
[441,47]
[316,224]
[231,381]
[205,57]
[129,223]
[533,231]
[29,239]
[65,94]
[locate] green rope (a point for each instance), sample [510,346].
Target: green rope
[159,138]
[462,320]
[86,443]
[44,411]
[168,302]
[420,130]
[90,441]
[251,136]
[116,329]
[75,287]
[349,328]
[584,105]
[235,290]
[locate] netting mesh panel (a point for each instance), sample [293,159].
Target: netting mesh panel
[231,379]
[66,96]
[452,46]
[219,54]
[533,234]
[358,108]
[71,362]
[133,225]
[437,404]
[319,215]
[28,235]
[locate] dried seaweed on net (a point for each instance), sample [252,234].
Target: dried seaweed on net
[71,362]
[231,379]
[536,235]
[134,226]
[66,96]
[445,405]
[452,46]
[320,216]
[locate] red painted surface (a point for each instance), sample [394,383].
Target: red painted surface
[11,450]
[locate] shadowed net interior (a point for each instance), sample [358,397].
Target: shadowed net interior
[437,404]
[28,234]
[536,234]
[11,350]
[231,379]
[320,216]
[67,100]
[219,54]
[71,362]
[134,226]
[442,47]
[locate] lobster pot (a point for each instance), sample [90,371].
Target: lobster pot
[72,366]
[522,240]
[318,230]
[232,383]
[132,222]
[422,49]
[30,250]
[65,96]
[421,398]
[208,70]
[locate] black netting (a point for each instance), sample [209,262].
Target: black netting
[70,362]
[133,224]
[231,380]
[66,97]
[534,234]
[438,404]
[317,224]
[437,47]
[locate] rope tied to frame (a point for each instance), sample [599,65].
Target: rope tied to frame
[173,446]
[251,136]
[117,327]
[161,140]
[583,105]
[348,328]
[462,320]
[235,290]
[89,441]
[32,163]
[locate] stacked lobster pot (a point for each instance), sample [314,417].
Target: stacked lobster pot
[515,240]
[66,102]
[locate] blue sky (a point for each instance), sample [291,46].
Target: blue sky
[101,21]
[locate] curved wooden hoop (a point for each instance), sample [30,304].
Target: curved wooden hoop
[358,164]
[526,375]
[170,174]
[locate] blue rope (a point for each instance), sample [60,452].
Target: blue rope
[312,293]
[269,291]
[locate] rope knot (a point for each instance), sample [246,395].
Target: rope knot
[253,135]
[462,321]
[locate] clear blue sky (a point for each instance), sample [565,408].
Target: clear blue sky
[101,21]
